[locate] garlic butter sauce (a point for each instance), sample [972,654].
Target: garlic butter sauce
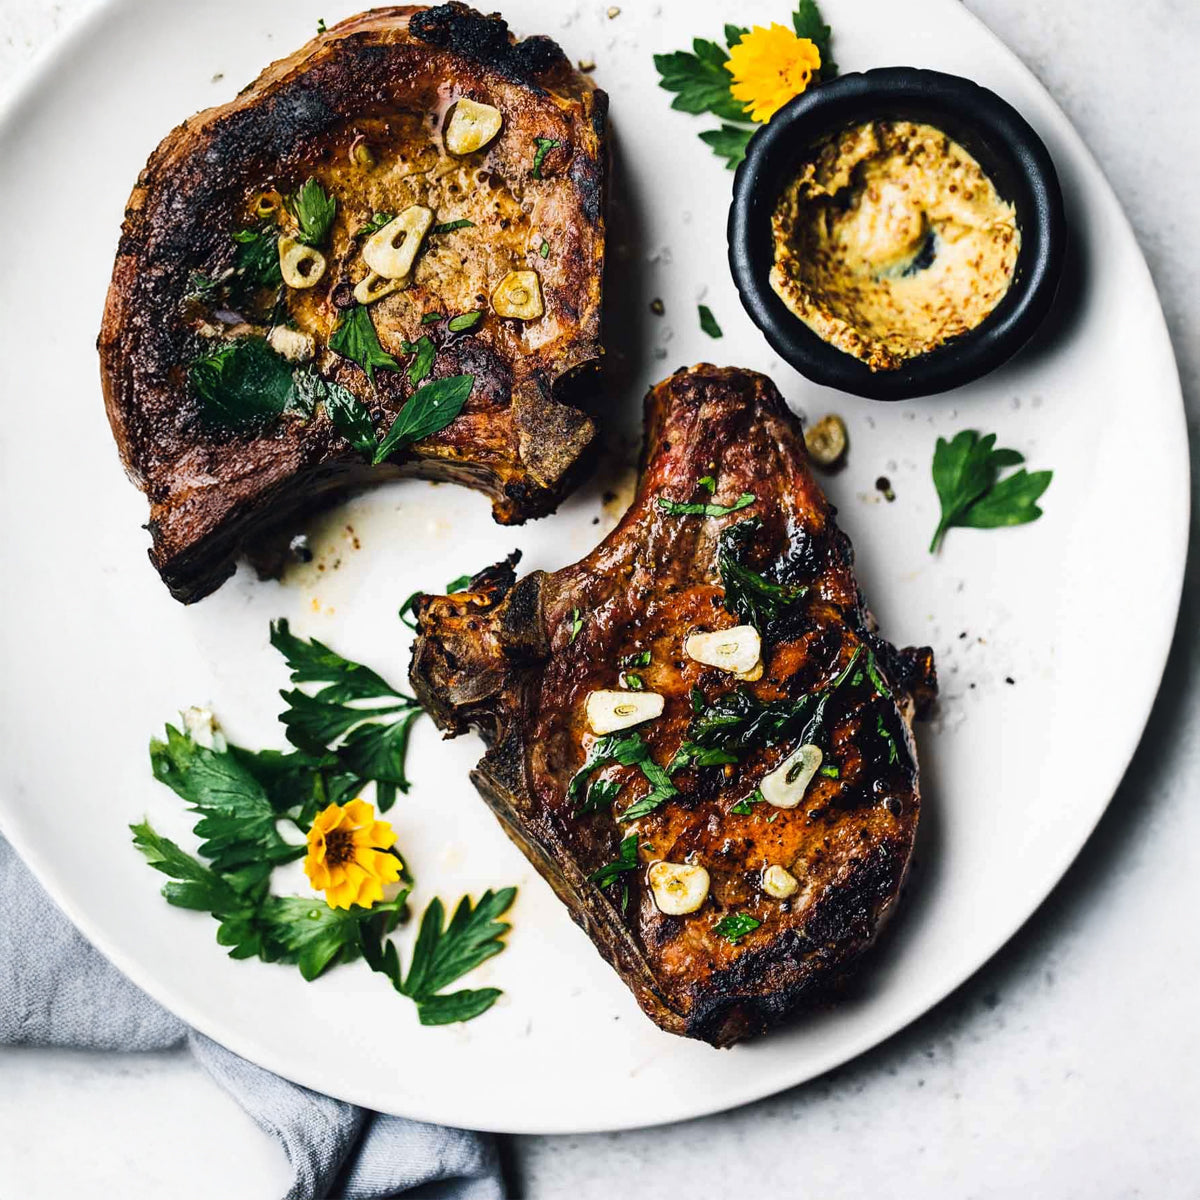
[890,240]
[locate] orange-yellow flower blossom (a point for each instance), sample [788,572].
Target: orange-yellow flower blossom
[769,67]
[347,855]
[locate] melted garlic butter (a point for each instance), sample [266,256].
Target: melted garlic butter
[890,241]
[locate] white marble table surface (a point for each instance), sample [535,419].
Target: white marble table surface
[1068,1067]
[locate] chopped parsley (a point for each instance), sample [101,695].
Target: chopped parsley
[355,338]
[735,926]
[628,750]
[544,146]
[350,417]
[314,210]
[626,860]
[204,289]
[749,595]
[885,733]
[430,318]
[377,221]
[640,659]
[451,226]
[427,411]
[464,321]
[544,250]
[423,354]
[459,584]
[576,625]
[745,806]
[256,258]
[738,721]
[708,322]
[696,508]
[633,681]
[600,794]
[242,383]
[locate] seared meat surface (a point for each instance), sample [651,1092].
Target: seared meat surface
[365,111]
[756,823]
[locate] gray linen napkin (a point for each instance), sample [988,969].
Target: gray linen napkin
[57,990]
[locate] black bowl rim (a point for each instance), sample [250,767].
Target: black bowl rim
[858,97]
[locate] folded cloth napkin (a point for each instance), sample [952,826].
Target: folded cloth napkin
[57,990]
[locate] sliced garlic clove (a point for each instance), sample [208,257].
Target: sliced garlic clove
[786,785]
[292,344]
[737,650]
[392,250]
[375,287]
[826,441]
[609,711]
[471,126]
[519,295]
[779,882]
[678,888]
[755,672]
[301,266]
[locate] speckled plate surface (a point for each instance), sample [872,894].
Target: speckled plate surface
[1032,736]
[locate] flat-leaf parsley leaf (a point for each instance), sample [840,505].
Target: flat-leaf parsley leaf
[355,338]
[429,409]
[735,926]
[697,508]
[966,474]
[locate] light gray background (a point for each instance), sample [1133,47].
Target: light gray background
[1069,1067]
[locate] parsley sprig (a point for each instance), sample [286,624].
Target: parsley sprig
[355,715]
[253,923]
[427,411]
[314,210]
[966,474]
[351,732]
[701,83]
[442,955]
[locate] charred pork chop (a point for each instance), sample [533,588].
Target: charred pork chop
[695,733]
[412,198]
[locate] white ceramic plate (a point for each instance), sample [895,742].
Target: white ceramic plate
[1035,730]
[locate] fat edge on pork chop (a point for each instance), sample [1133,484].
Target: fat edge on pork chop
[695,733]
[412,197]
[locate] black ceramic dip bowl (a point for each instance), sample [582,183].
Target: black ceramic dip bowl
[991,131]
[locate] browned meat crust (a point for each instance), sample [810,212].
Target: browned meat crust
[509,658]
[385,79]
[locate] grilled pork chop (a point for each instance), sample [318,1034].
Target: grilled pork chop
[728,817]
[432,129]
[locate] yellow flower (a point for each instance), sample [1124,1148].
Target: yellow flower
[769,67]
[347,855]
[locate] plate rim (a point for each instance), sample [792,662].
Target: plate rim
[34,75]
